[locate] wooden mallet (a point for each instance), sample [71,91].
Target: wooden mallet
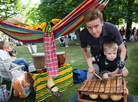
[97,76]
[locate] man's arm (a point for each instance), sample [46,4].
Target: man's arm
[89,62]
[122,49]
[85,53]
[90,65]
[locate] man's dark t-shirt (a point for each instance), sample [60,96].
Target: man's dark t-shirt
[109,33]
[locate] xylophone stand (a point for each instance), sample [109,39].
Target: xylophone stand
[112,87]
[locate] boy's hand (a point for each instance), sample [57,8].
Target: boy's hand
[114,72]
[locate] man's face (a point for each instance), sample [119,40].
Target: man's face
[95,27]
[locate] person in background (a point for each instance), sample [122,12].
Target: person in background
[4,56]
[66,40]
[134,30]
[128,34]
[122,31]
[109,62]
[19,43]
[61,41]
[96,33]
[136,35]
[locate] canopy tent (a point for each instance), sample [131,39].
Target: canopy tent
[64,27]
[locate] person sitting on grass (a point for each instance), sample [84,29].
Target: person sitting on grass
[61,41]
[109,62]
[66,40]
[4,56]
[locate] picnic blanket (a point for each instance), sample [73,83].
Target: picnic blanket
[63,82]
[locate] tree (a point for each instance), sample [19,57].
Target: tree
[49,9]
[9,8]
[30,14]
[122,11]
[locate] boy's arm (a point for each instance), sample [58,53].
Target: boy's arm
[123,51]
[121,66]
[116,71]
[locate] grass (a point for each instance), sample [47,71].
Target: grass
[75,58]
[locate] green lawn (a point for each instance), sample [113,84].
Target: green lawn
[75,58]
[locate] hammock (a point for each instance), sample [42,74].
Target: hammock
[64,27]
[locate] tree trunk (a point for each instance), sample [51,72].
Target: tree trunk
[129,20]
[77,32]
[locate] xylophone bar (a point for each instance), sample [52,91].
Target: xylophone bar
[110,85]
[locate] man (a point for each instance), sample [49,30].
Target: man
[95,34]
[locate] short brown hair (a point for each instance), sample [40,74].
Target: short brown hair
[110,45]
[92,15]
[1,44]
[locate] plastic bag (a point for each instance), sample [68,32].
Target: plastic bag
[4,93]
[21,84]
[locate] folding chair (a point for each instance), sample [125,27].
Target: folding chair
[6,69]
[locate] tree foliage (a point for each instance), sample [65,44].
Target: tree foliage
[49,9]
[30,14]
[9,8]
[116,11]
[121,11]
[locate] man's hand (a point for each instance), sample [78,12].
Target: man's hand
[91,70]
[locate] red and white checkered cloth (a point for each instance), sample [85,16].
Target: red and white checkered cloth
[50,56]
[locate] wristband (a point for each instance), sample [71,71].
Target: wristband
[120,64]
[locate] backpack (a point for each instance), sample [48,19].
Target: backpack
[79,75]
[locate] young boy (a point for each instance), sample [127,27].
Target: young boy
[109,62]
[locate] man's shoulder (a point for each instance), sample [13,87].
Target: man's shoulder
[110,28]
[84,33]
[109,25]
[84,30]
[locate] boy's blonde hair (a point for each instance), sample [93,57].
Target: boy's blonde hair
[92,15]
[110,45]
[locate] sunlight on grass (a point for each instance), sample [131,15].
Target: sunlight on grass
[73,61]
[75,58]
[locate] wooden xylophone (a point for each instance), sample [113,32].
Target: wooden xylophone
[115,88]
